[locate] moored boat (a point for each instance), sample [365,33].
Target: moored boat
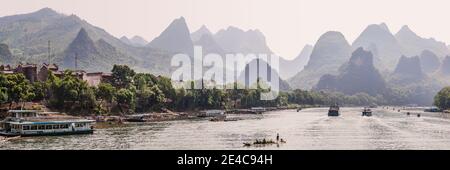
[34,123]
[433,109]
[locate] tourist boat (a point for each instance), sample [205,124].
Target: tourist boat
[367,112]
[136,118]
[433,109]
[334,110]
[34,123]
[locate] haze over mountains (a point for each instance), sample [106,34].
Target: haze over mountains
[73,41]
[176,38]
[445,67]
[408,70]
[5,53]
[290,68]
[430,62]
[235,40]
[412,44]
[330,52]
[383,45]
[357,76]
[136,41]
[264,75]
[28,37]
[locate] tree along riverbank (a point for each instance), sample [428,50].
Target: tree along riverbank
[128,93]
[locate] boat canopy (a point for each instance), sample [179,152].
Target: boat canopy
[23,113]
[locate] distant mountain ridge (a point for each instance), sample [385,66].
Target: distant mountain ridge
[28,35]
[136,41]
[412,44]
[84,53]
[175,38]
[359,75]
[383,45]
[235,40]
[330,52]
[195,36]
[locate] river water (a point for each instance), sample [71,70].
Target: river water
[304,130]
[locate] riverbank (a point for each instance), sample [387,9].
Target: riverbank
[173,116]
[415,111]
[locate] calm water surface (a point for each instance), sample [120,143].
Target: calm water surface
[308,129]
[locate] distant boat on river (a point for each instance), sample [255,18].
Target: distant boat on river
[367,112]
[334,110]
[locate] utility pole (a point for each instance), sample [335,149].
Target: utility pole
[76,61]
[49,55]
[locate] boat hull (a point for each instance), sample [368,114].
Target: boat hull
[333,113]
[8,134]
[367,114]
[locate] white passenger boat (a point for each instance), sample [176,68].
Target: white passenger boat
[34,123]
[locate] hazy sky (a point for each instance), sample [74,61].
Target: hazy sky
[287,24]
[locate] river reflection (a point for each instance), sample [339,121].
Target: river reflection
[307,129]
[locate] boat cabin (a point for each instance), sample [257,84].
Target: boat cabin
[22,113]
[54,127]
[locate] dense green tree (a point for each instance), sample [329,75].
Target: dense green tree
[122,76]
[165,85]
[126,101]
[142,80]
[71,93]
[150,98]
[105,92]
[41,91]
[17,87]
[442,99]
